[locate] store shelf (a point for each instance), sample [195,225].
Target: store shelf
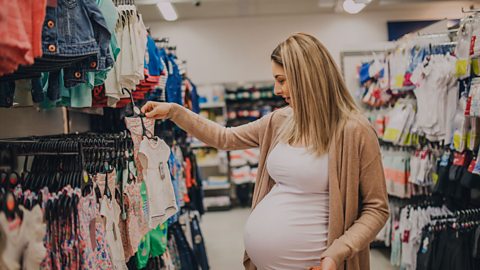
[252,100]
[243,182]
[217,187]
[219,208]
[217,203]
[209,163]
[212,105]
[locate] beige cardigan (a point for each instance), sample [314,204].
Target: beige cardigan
[358,197]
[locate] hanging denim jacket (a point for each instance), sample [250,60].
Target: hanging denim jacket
[195,98]
[174,81]
[75,28]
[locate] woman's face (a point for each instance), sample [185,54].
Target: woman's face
[281,88]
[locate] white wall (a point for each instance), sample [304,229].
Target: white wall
[238,49]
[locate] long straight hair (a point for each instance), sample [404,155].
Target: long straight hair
[320,98]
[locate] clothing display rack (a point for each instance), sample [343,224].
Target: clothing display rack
[421,98]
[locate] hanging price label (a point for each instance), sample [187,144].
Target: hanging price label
[459,159]
[471,167]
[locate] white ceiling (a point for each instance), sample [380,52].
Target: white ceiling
[187,10]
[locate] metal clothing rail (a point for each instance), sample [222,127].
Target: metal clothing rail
[472,10]
[459,214]
[49,154]
[440,34]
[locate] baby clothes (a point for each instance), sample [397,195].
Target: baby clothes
[123,227]
[87,214]
[111,181]
[134,125]
[400,121]
[154,155]
[3,245]
[137,224]
[111,211]
[102,250]
[22,33]
[24,240]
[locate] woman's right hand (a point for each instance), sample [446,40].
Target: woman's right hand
[156,110]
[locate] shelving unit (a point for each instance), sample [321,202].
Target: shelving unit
[244,105]
[212,105]
[234,106]
[213,163]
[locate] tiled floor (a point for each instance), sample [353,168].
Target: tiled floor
[223,233]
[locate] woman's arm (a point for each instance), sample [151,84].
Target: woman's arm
[374,203]
[209,132]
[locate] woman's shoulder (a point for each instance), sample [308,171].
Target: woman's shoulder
[280,115]
[357,126]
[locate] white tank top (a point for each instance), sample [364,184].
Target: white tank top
[289,228]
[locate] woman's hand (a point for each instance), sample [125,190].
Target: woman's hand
[156,110]
[326,264]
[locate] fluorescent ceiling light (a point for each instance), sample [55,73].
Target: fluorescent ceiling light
[167,10]
[352,7]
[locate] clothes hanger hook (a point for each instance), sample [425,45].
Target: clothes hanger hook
[136,110]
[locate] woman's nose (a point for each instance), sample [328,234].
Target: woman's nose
[277,90]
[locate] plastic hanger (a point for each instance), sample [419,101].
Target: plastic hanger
[137,113]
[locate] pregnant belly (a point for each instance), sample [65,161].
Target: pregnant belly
[287,230]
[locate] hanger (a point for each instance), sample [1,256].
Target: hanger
[137,113]
[471,10]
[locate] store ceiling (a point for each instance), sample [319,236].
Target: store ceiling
[207,9]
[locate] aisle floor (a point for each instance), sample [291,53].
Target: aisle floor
[223,233]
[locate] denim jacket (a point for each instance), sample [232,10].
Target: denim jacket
[174,81]
[76,28]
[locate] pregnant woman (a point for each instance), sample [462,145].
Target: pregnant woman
[320,195]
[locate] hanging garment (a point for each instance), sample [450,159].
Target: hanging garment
[134,125]
[184,251]
[21,46]
[152,245]
[102,250]
[136,222]
[167,260]
[198,243]
[154,155]
[24,245]
[173,250]
[124,231]
[111,211]
[87,213]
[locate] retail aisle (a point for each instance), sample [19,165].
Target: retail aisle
[223,233]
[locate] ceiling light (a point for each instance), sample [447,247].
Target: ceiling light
[352,7]
[167,10]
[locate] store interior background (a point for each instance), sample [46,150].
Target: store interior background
[229,42]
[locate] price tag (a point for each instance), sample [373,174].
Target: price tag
[459,159]
[471,167]
[406,236]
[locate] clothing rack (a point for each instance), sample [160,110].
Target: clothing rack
[39,147]
[162,40]
[123,2]
[472,10]
[466,213]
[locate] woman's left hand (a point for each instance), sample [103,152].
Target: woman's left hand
[325,264]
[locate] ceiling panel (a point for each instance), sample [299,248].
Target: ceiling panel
[187,10]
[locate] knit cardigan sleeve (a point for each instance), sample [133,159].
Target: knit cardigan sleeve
[215,135]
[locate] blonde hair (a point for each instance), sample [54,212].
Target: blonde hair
[320,98]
